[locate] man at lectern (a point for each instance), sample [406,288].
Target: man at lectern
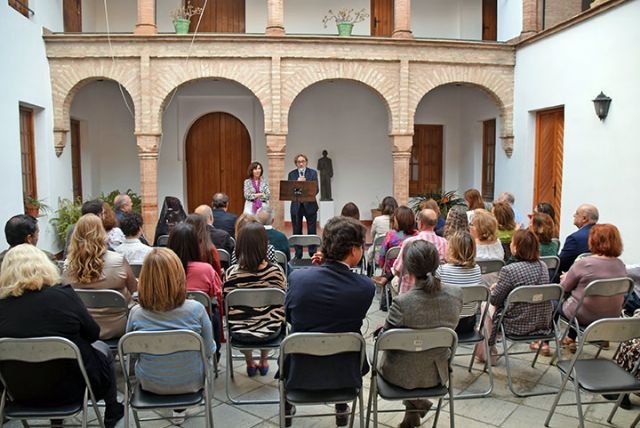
[308,210]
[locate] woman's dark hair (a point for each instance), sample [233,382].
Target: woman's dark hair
[253,166]
[503,213]
[526,244]
[405,219]
[420,259]
[183,240]
[542,225]
[547,208]
[251,246]
[340,235]
[388,205]
[473,198]
[351,210]
[199,223]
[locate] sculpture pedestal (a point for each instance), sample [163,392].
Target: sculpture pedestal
[327,211]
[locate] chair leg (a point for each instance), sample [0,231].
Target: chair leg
[369,402]
[435,419]
[615,407]
[556,400]
[535,358]
[374,388]
[361,396]
[452,422]
[578,403]
[136,418]
[635,421]
[352,416]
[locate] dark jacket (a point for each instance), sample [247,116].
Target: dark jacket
[221,239]
[279,241]
[575,244]
[225,221]
[309,207]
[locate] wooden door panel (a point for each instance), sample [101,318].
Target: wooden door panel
[426,163]
[489,20]
[220,16]
[549,157]
[72,16]
[217,152]
[488,158]
[381,18]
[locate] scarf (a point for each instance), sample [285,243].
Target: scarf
[257,202]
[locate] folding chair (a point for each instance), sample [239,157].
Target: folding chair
[391,254]
[324,345]
[377,244]
[598,375]
[163,343]
[251,298]
[490,266]
[583,255]
[600,287]
[211,305]
[532,295]
[136,268]
[105,299]
[303,241]
[553,263]
[411,340]
[281,259]
[477,294]
[41,350]
[163,240]
[225,258]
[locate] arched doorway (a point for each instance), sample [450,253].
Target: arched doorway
[217,152]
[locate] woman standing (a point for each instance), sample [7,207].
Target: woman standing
[256,189]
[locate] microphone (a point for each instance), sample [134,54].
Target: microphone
[301,173]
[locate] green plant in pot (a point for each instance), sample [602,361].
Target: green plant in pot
[182,17]
[34,206]
[68,213]
[344,19]
[445,200]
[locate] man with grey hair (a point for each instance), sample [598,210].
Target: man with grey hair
[276,238]
[578,242]
[220,238]
[223,220]
[511,200]
[122,204]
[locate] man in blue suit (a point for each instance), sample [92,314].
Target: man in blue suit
[308,210]
[330,299]
[578,242]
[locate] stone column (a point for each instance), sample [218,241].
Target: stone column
[401,154]
[276,144]
[148,154]
[146,18]
[402,19]
[275,18]
[530,21]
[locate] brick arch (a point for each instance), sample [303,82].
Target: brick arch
[171,77]
[303,77]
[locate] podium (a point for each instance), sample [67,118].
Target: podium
[298,191]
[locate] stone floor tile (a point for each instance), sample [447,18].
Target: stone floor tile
[488,410]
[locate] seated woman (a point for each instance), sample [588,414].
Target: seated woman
[243,220]
[457,221]
[164,306]
[253,271]
[429,304]
[460,270]
[521,318]
[474,201]
[484,229]
[33,303]
[605,245]
[350,210]
[547,208]
[382,223]
[171,214]
[503,213]
[208,251]
[542,225]
[90,266]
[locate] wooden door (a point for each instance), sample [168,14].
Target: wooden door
[220,16]
[489,20]
[217,153]
[76,167]
[72,16]
[549,154]
[381,18]
[425,173]
[488,159]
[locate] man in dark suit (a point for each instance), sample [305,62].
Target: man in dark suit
[220,238]
[276,238]
[221,218]
[308,210]
[330,299]
[578,242]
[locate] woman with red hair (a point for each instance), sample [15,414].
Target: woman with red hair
[605,245]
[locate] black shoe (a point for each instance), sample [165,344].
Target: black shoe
[342,418]
[113,414]
[55,423]
[289,410]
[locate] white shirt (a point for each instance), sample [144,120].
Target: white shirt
[133,250]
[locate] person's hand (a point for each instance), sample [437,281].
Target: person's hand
[493,286]
[317,258]
[259,195]
[302,178]
[562,275]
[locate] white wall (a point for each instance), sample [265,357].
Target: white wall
[350,121]
[447,19]
[305,16]
[600,158]
[509,19]
[123,15]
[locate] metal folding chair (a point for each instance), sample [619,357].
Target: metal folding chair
[599,375]
[163,240]
[225,258]
[553,263]
[281,259]
[303,241]
[103,299]
[136,268]
[411,340]
[163,343]
[320,344]
[211,305]
[532,295]
[377,244]
[35,351]
[490,266]
[477,294]
[391,254]
[583,255]
[252,298]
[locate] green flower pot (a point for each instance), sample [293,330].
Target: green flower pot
[181,25]
[344,29]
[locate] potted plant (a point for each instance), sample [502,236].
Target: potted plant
[68,213]
[344,19]
[182,17]
[33,206]
[445,200]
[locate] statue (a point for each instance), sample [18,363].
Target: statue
[325,166]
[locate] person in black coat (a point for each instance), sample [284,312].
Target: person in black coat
[308,210]
[578,242]
[221,217]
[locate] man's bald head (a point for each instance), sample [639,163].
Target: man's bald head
[427,219]
[205,211]
[586,214]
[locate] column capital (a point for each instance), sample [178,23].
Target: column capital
[148,144]
[401,143]
[507,144]
[276,143]
[59,140]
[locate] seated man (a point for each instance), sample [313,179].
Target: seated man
[220,238]
[330,299]
[131,248]
[22,229]
[223,220]
[276,238]
[578,242]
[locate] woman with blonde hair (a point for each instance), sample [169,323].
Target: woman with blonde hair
[457,221]
[33,303]
[484,229]
[90,266]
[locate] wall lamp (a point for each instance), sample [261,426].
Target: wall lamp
[601,104]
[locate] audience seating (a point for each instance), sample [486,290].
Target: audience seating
[225,258]
[303,241]
[553,263]
[583,255]
[163,240]
[323,345]
[163,343]
[387,291]
[136,268]
[411,340]
[377,244]
[36,351]
[598,375]
[490,266]
[211,305]
[252,298]
[101,299]
[530,294]
[281,259]
[478,294]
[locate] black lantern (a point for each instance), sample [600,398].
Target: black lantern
[601,104]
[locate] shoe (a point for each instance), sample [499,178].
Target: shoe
[422,406]
[263,369]
[342,417]
[178,417]
[55,423]
[605,345]
[410,420]
[252,371]
[113,414]
[625,403]
[289,410]
[545,351]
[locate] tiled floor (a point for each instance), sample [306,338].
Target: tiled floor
[502,409]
